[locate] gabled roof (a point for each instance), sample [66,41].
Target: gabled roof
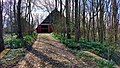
[54,15]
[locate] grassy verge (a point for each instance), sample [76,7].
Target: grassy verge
[92,61]
[26,42]
[19,49]
[12,57]
[95,47]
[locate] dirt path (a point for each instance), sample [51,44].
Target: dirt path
[49,53]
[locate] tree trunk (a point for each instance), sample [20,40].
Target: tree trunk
[79,19]
[15,22]
[61,18]
[73,7]
[93,29]
[101,21]
[1,29]
[55,3]
[11,23]
[29,12]
[84,35]
[77,29]
[19,20]
[60,7]
[97,20]
[68,19]
[89,24]
[115,11]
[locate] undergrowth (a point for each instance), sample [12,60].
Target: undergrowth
[26,42]
[82,44]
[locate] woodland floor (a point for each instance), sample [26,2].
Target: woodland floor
[47,52]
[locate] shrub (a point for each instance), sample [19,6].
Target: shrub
[34,34]
[105,64]
[97,47]
[28,38]
[15,43]
[19,43]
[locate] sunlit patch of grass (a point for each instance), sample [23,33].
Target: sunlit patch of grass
[4,52]
[99,63]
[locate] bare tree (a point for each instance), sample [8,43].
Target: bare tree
[89,24]
[93,21]
[115,11]
[55,3]
[97,20]
[19,20]
[77,26]
[45,5]
[73,8]
[84,3]
[101,20]
[61,6]
[10,15]
[15,26]
[29,15]
[1,28]
[68,18]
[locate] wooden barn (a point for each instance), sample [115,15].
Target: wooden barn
[46,26]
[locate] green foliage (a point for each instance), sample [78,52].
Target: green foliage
[28,38]
[97,47]
[100,63]
[70,43]
[19,43]
[34,34]
[14,43]
[81,53]
[104,64]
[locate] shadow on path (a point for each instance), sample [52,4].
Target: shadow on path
[47,52]
[45,58]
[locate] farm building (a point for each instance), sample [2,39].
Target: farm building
[48,23]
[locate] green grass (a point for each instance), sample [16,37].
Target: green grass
[97,47]
[82,44]
[18,49]
[99,63]
[26,42]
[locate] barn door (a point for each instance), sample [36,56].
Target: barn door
[44,28]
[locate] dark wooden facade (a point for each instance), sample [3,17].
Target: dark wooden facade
[47,25]
[44,28]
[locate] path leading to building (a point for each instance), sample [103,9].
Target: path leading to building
[47,52]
